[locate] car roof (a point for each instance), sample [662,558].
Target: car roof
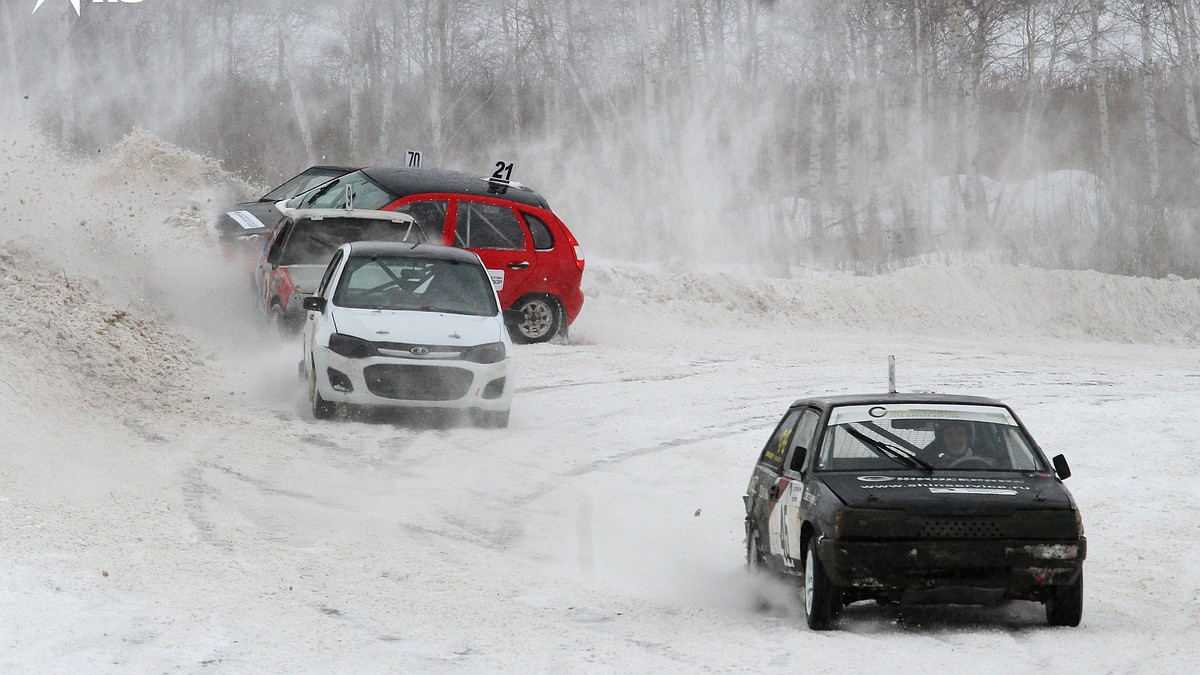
[363,249]
[893,399]
[369,214]
[405,181]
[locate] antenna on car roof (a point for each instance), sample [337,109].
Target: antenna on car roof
[891,373]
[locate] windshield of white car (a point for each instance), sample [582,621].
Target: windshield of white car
[416,284]
[932,436]
[313,241]
[301,183]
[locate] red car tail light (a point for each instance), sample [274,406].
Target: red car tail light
[579,261]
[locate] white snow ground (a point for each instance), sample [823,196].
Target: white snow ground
[167,505]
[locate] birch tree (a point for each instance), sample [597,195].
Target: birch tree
[1148,106]
[1098,84]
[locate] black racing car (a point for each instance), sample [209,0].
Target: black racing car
[240,230]
[914,498]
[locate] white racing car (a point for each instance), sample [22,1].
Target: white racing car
[408,325]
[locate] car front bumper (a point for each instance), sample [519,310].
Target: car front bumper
[1018,568]
[423,383]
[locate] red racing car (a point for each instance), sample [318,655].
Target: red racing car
[535,262]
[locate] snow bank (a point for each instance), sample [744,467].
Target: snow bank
[77,347]
[104,263]
[971,300]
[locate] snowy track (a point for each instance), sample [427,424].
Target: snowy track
[167,505]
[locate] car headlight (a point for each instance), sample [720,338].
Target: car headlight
[351,347]
[493,352]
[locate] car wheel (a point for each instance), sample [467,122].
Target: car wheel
[536,319]
[277,322]
[321,409]
[493,419]
[1064,607]
[822,600]
[756,564]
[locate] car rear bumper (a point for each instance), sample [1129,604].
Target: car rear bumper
[1016,567]
[572,302]
[415,383]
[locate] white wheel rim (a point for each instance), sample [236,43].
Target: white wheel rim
[536,318]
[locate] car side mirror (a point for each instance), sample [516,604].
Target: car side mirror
[1061,467]
[314,303]
[798,456]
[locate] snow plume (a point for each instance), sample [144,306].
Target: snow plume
[65,342]
[134,217]
[108,273]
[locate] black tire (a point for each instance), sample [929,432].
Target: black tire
[283,325]
[756,567]
[1064,607]
[822,600]
[536,318]
[755,561]
[321,409]
[276,323]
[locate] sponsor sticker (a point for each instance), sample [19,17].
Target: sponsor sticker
[922,411]
[971,491]
[497,277]
[946,485]
[246,220]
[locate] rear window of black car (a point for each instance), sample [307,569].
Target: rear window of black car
[313,241]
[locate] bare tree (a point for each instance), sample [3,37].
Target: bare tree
[287,42]
[1099,82]
[1146,82]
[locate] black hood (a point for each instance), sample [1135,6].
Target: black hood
[950,492]
[248,218]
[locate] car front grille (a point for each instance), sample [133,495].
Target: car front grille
[407,350]
[417,383]
[961,528]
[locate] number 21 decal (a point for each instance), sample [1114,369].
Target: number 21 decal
[503,171]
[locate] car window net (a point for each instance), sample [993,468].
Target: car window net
[487,226]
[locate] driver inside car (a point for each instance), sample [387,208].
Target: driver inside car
[956,438]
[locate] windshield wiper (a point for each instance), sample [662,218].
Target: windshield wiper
[890,451]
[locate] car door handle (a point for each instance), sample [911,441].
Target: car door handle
[518,265]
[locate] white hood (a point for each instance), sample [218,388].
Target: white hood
[431,328]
